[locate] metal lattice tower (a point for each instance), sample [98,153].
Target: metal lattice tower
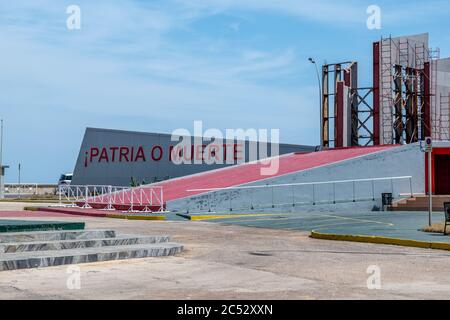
[386,90]
[444,129]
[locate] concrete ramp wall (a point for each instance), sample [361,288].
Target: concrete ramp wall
[371,162]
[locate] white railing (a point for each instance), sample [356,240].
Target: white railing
[302,193]
[107,197]
[19,189]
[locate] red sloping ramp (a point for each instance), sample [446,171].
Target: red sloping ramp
[246,173]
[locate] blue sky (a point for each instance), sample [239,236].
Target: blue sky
[160,65]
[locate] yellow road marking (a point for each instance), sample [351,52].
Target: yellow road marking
[254,220]
[333,224]
[313,216]
[357,219]
[283,215]
[276,223]
[226,216]
[381,240]
[310,227]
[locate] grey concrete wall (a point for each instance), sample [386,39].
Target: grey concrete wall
[405,160]
[413,41]
[102,171]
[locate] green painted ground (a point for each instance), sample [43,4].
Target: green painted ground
[403,225]
[23,226]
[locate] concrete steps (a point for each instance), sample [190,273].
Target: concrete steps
[55,235]
[420,203]
[52,248]
[79,244]
[35,259]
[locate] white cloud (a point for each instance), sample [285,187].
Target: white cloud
[318,10]
[253,54]
[173,87]
[125,63]
[258,62]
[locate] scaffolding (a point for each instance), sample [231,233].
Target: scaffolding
[407,91]
[444,123]
[437,112]
[406,107]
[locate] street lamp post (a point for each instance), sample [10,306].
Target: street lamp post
[320,98]
[19,180]
[2,195]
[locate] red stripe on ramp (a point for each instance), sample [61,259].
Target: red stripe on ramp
[247,173]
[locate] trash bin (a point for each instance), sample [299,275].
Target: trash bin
[447,216]
[386,199]
[447,211]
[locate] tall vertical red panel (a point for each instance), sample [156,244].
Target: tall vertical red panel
[347,77]
[427,100]
[339,116]
[376,93]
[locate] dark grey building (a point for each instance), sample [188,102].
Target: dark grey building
[116,157]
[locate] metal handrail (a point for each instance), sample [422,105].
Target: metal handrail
[21,186]
[316,197]
[143,197]
[300,184]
